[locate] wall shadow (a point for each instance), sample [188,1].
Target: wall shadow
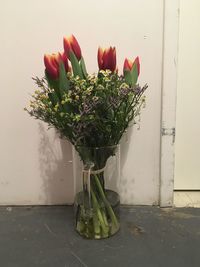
[55,163]
[56,168]
[124,147]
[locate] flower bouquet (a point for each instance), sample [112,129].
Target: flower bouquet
[92,112]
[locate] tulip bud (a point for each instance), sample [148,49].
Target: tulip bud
[51,67]
[107,58]
[52,62]
[65,61]
[137,62]
[128,65]
[131,71]
[71,44]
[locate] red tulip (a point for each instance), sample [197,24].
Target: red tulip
[107,58]
[51,63]
[65,61]
[71,44]
[128,65]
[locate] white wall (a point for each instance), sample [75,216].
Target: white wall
[35,167]
[187,160]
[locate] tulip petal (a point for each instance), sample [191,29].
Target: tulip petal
[100,57]
[75,47]
[50,66]
[107,58]
[71,44]
[127,64]
[130,64]
[67,46]
[114,59]
[137,62]
[65,61]
[56,59]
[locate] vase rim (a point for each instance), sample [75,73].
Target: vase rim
[97,147]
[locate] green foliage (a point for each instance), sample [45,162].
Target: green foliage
[131,76]
[94,111]
[53,97]
[134,74]
[83,67]
[54,85]
[77,70]
[63,80]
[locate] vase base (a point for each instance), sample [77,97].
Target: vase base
[96,236]
[101,223]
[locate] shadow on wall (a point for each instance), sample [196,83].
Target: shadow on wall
[55,162]
[55,156]
[124,181]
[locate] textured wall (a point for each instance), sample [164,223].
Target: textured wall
[35,163]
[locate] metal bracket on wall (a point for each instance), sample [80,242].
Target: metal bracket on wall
[169,132]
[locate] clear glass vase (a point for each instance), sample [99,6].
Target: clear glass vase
[97,202]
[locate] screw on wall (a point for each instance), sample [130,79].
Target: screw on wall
[169,132]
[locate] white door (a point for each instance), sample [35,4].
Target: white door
[187,151]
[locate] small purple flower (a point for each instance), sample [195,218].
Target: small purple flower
[86,108]
[88,105]
[114,101]
[124,91]
[139,90]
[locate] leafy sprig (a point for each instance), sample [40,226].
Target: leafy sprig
[94,111]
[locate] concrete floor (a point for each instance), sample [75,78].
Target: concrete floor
[149,236]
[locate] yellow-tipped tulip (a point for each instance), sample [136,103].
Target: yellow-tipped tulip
[71,44]
[51,63]
[128,65]
[107,58]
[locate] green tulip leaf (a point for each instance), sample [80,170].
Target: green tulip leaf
[134,75]
[53,84]
[75,65]
[128,78]
[131,76]
[83,67]
[63,81]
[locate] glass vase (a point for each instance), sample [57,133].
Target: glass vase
[97,202]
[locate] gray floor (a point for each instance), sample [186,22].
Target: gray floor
[149,236]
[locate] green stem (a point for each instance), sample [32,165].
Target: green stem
[106,202]
[105,218]
[96,224]
[99,215]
